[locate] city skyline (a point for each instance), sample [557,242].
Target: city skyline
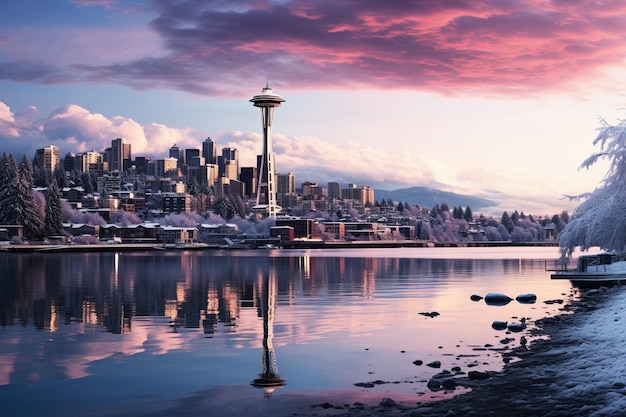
[497,101]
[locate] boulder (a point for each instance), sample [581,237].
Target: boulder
[499,325]
[475,297]
[526,298]
[477,375]
[516,327]
[496,299]
[387,402]
[434,364]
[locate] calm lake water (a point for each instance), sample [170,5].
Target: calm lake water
[206,333]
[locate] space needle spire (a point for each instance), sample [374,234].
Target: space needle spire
[266,205]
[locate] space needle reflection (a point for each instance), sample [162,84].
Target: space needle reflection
[269,379]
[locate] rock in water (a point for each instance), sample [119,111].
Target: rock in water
[499,325]
[516,327]
[475,297]
[387,402]
[496,299]
[526,298]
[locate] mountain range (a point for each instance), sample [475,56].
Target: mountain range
[429,197]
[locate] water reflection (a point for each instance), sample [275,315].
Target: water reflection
[206,292]
[334,320]
[268,379]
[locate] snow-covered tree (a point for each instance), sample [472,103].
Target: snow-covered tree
[600,220]
[224,207]
[78,217]
[8,188]
[23,210]
[124,218]
[53,224]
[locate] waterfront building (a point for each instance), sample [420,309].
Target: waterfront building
[266,205]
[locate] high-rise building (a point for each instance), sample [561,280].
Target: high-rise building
[229,163]
[141,164]
[68,162]
[266,205]
[167,167]
[120,158]
[286,183]
[209,151]
[48,157]
[361,194]
[176,152]
[192,157]
[248,177]
[90,161]
[334,190]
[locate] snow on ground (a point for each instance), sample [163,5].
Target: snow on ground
[596,365]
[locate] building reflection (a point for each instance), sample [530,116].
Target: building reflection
[194,291]
[268,379]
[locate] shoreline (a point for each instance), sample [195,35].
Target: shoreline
[154,246]
[535,385]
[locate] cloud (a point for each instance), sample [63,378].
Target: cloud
[73,128]
[450,47]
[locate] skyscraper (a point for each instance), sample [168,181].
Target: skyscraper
[266,190]
[120,155]
[209,151]
[229,163]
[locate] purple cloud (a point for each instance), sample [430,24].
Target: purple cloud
[215,48]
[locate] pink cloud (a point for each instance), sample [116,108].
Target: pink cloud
[216,48]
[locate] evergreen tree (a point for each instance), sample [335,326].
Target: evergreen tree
[8,189]
[599,220]
[26,212]
[53,225]
[41,175]
[400,207]
[507,222]
[468,216]
[224,207]
[85,180]
[238,205]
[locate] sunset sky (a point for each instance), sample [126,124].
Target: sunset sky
[498,99]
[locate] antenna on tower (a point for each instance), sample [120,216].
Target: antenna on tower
[267,83]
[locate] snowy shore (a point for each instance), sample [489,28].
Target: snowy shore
[579,370]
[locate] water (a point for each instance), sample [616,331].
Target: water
[187,333]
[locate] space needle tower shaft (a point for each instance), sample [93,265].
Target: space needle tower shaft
[266,205]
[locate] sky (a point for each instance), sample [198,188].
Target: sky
[496,99]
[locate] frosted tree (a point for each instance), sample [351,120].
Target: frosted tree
[8,188]
[26,211]
[600,220]
[53,224]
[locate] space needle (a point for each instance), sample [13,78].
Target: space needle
[266,205]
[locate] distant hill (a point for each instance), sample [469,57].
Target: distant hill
[429,197]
